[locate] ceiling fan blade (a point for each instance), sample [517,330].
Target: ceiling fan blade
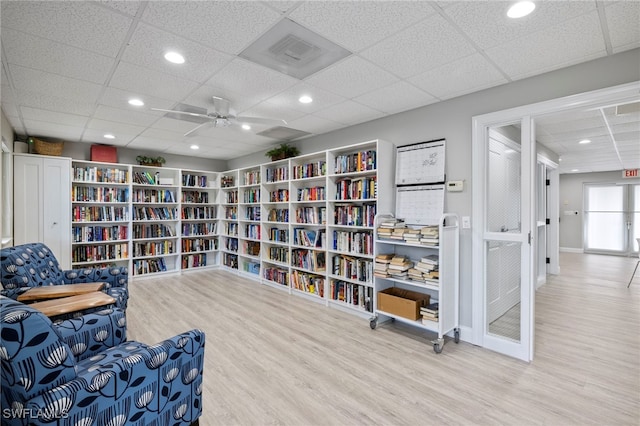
[192,114]
[259,120]
[221,105]
[193,131]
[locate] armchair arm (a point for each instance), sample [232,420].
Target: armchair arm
[161,383]
[116,281]
[93,333]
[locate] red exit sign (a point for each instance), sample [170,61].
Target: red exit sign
[632,173]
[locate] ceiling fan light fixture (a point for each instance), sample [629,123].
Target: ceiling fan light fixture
[521,9]
[174,57]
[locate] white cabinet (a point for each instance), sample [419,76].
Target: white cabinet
[42,203]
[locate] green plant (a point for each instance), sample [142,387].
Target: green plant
[282,151]
[146,161]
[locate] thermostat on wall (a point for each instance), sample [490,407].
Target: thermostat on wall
[455,185]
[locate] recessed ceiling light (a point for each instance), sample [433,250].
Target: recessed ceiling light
[521,9]
[174,57]
[246,127]
[194,147]
[584,141]
[574,170]
[136,102]
[109,136]
[305,99]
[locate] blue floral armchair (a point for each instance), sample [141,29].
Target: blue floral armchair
[83,372]
[33,264]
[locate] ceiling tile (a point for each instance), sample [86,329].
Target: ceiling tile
[150,143]
[487,24]
[54,117]
[114,128]
[313,124]
[397,97]
[178,126]
[352,77]
[349,112]
[143,80]
[575,41]
[227,26]
[623,21]
[242,76]
[272,110]
[356,25]
[321,98]
[31,80]
[117,98]
[129,7]
[97,136]
[55,103]
[52,130]
[457,78]
[202,97]
[281,6]
[148,46]
[124,115]
[10,109]
[38,53]
[95,28]
[426,45]
[162,134]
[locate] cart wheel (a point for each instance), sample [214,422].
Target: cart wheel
[456,335]
[437,348]
[373,323]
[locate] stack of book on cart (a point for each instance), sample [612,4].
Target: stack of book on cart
[399,267]
[381,266]
[429,313]
[391,229]
[430,235]
[426,270]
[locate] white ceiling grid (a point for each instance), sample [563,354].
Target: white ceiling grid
[69,67]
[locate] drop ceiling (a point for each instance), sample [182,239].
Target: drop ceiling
[69,67]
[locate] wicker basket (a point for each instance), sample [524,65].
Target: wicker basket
[48,148]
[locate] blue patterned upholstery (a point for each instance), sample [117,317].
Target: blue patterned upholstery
[109,382]
[33,264]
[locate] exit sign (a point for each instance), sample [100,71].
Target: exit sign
[630,173]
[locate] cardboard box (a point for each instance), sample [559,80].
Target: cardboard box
[404,303]
[104,153]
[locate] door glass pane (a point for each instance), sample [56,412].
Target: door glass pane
[605,231]
[605,198]
[503,289]
[636,218]
[503,193]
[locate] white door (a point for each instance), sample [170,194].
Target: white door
[507,224]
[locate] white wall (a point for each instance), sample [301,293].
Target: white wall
[571,199]
[452,120]
[6,187]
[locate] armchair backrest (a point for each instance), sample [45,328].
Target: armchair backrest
[34,358]
[29,265]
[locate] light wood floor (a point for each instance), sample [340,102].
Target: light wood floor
[275,359]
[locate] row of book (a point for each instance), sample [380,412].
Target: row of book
[100,175]
[101,194]
[227,182]
[277,174]
[355,242]
[279,235]
[396,229]
[251,196]
[309,237]
[102,252]
[309,283]
[154,248]
[355,215]
[192,245]
[252,231]
[230,212]
[230,260]
[231,244]
[193,213]
[149,266]
[231,197]
[146,178]
[199,197]
[278,215]
[154,213]
[311,260]
[99,214]
[311,215]
[309,170]
[352,294]
[231,229]
[158,230]
[251,267]
[279,254]
[316,193]
[357,162]
[279,196]
[252,213]
[430,313]
[252,248]
[194,180]
[85,234]
[252,177]
[276,275]
[357,189]
[153,196]
[400,267]
[194,260]
[353,268]
[208,228]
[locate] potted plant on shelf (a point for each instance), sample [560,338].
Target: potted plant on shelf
[150,161]
[282,151]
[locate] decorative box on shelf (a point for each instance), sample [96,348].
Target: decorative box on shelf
[104,153]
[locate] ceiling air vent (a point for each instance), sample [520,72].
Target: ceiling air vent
[283,133]
[294,50]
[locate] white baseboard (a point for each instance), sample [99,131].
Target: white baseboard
[571,250]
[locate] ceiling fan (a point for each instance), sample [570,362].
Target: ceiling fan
[218,117]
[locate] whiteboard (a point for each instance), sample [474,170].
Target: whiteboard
[420,204]
[420,163]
